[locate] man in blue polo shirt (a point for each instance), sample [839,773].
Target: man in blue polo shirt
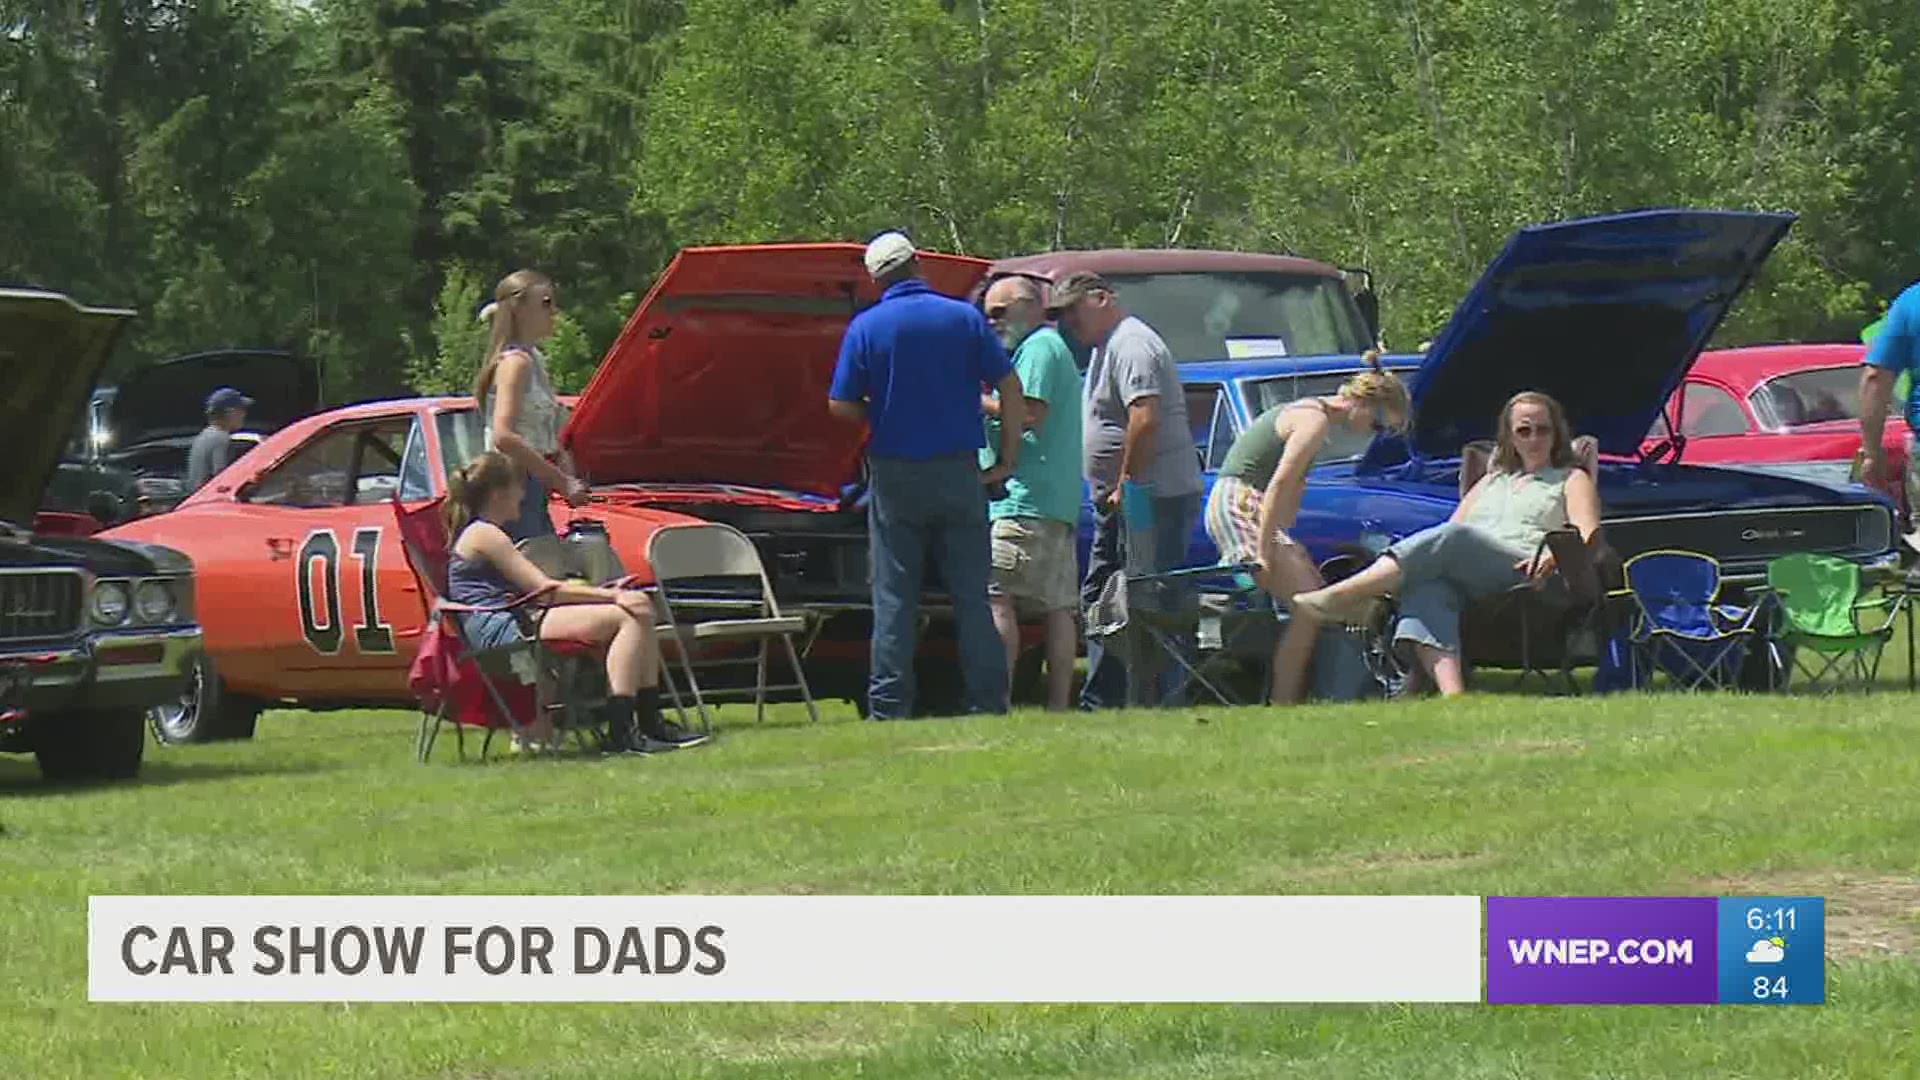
[912,367]
[1894,351]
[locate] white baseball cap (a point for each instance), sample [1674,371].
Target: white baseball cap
[888,252]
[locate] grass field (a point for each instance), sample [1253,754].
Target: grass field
[1490,794]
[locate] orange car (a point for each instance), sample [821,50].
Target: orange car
[711,405]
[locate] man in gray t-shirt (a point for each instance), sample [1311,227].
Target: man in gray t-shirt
[1140,462]
[212,449]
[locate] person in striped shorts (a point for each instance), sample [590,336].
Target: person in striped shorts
[1257,496]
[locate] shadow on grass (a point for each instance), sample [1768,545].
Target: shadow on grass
[20,777]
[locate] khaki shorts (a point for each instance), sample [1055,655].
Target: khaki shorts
[1034,561]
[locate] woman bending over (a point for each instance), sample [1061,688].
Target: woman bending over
[1257,497]
[1486,547]
[484,497]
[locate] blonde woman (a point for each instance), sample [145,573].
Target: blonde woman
[1534,485]
[1257,497]
[516,398]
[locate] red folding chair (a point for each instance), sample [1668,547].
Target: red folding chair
[466,686]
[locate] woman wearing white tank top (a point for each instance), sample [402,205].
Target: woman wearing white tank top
[516,398]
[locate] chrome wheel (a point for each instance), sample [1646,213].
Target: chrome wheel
[181,720]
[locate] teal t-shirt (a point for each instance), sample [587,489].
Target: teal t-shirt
[1046,483]
[1896,345]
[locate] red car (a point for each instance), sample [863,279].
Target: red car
[711,405]
[1792,409]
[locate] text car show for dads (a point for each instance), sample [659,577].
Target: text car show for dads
[273,949]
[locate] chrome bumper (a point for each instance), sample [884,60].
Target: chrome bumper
[112,669]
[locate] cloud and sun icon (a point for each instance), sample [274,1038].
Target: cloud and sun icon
[1768,951]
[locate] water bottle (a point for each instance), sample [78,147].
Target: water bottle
[592,550]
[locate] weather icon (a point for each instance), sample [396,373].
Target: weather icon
[1769,951]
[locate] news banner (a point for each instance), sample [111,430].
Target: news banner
[1542,950]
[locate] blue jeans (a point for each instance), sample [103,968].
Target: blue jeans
[1443,570]
[533,519]
[1173,522]
[919,511]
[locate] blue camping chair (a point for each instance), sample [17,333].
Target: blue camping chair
[1679,626]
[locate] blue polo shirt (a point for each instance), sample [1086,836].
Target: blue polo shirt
[1897,346]
[919,360]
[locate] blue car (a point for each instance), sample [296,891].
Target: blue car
[1606,314]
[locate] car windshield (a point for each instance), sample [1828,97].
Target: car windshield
[1213,315]
[1341,444]
[1808,397]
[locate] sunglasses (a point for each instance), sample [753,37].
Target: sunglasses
[1528,431]
[997,311]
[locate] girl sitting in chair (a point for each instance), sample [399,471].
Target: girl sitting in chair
[1257,497]
[1486,547]
[485,568]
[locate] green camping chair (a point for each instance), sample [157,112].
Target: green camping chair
[1833,635]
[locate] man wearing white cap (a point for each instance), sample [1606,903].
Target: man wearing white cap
[912,367]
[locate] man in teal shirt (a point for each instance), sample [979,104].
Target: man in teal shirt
[1035,523]
[1893,352]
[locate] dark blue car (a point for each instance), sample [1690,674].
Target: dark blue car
[1606,314]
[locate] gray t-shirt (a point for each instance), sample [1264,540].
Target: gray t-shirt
[1135,363]
[210,452]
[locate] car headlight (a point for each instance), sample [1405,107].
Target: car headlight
[153,601]
[110,603]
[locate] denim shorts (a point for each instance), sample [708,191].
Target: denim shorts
[493,629]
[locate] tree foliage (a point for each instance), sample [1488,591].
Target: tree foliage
[351,176]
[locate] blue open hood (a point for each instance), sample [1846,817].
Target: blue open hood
[1606,314]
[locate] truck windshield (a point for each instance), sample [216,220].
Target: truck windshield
[1208,316]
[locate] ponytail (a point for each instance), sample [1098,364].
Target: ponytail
[503,316]
[471,485]
[1384,390]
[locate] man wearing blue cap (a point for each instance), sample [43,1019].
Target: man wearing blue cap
[213,447]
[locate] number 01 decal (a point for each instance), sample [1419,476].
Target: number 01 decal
[322,552]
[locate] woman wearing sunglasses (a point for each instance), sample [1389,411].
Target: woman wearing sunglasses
[516,398]
[1486,547]
[1257,496]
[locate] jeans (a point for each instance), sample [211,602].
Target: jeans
[533,519]
[919,511]
[1443,570]
[1164,549]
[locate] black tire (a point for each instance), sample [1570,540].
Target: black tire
[106,745]
[204,712]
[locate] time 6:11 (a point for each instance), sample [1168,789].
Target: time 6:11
[1778,919]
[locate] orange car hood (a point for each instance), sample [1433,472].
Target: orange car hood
[721,374]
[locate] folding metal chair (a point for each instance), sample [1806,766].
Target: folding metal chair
[1679,625]
[467,686]
[1820,622]
[709,566]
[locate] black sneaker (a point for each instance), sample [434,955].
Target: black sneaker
[666,731]
[641,744]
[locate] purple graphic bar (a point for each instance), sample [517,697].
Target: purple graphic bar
[1586,950]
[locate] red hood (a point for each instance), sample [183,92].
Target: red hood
[721,375]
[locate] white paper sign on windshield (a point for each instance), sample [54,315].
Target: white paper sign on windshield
[1243,348]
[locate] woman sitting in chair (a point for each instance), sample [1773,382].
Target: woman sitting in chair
[1257,497]
[1488,546]
[485,568]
